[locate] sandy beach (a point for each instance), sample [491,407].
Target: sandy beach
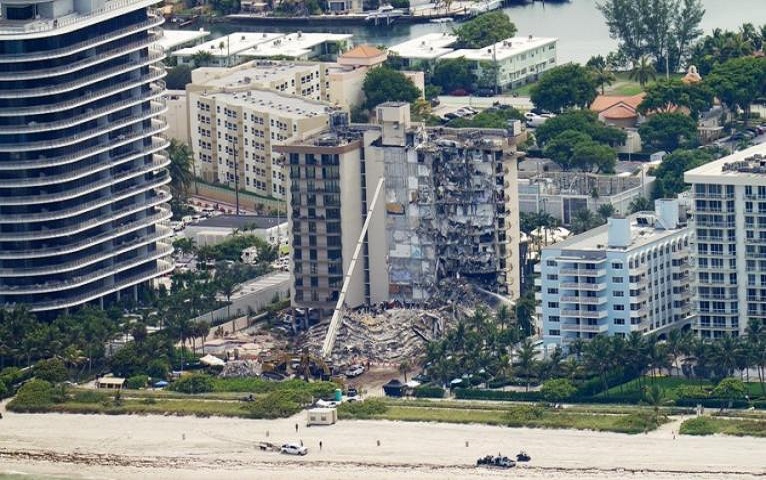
[159,447]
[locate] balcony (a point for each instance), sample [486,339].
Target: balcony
[155,20]
[79,263]
[163,268]
[154,76]
[160,162]
[584,328]
[85,207]
[583,272]
[584,313]
[157,146]
[162,197]
[714,224]
[80,280]
[163,215]
[590,287]
[83,82]
[86,135]
[583,300]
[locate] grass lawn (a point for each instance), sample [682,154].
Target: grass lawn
[725,426]
[670,384]
[186,407]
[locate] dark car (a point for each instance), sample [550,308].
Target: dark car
[485,92]
[459,93]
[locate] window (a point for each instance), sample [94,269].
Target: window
[616,279]
[618,293]
[617,265]
[619,307]
[554,332]
[553,304]
[553,291]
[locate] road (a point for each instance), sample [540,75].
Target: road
[449,103]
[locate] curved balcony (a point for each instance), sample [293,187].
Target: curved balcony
[85,207]
[82,82]
[163,215]
[86,135]
[156,164]
[74,157]
[162,232]
[84,63]
[163,268]
[156,147]
[163,196]
[155,20]
[78,281]
[33,127]
[109,90]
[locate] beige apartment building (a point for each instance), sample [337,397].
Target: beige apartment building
[233,133]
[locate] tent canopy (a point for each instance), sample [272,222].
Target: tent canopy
[211,361]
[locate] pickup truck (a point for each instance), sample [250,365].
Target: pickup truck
[534,120]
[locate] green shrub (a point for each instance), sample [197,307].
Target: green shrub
[149,401]
[136,382]
[11,375]
[557,389]
[639,422]
[52,370]
[89,396]
[699,426]
[691,391]
[366,409]
[3,389]
[34,395]
[472,394]
[158,368]
[428,392]
[523,414]
[194,383]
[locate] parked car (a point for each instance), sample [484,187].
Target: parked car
[293,449]
[534,120]
[485,92]
[458,93]
[354,371]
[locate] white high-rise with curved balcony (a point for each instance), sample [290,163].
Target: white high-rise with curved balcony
[83,179]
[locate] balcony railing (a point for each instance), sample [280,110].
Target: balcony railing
[109,90]
[155,20]
[156,147]
[163,196]
[88,134]
[158,128]
[164,214]
[89,260]
[584,313]
[84,207]
[77,281]
[568,327]
[590,287]
[160,162]
[163,268]
[583,272]
[83,82]
[711,223]
[583,299]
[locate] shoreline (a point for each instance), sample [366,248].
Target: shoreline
[148,447]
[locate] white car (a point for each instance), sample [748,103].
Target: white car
[534,120]
[293,449]
[354,371]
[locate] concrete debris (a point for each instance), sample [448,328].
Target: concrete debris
[241,368]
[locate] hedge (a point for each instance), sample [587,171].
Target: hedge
[471,394]
[428,392]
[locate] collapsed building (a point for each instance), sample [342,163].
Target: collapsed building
[442,204]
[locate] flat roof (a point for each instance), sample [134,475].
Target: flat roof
[274,102]
[259,72]
[502,50]
[714,172]
[597,239]
[172,39]
[239,221]
[294,44]
[427,46]
[233,44]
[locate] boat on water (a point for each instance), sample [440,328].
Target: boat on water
[485,6]
[384,12]
[442,20]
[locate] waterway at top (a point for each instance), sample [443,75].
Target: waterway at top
[577,24]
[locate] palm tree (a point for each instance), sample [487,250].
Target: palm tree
[606,211]
[597,354]
[404,369]
[584,220]
[525,360]
[678,342]
[655,397]
[643,71]
[180,168]
[202,59]
[640,204]
[602,75]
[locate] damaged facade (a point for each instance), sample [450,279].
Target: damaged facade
[447,210]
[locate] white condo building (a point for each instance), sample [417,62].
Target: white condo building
[729,220]
[629,275]
[82,170]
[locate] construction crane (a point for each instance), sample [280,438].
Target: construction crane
[332,330]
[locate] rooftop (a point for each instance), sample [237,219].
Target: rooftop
[232,44]
[427,46]
[240,221]
[274,103]
[258,72]
[502,50]
[363,51]
[740,167]
[172,39]
[294,45]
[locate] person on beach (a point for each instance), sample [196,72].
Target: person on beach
[296,428]
[320,445]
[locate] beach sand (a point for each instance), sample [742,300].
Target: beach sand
[180,448]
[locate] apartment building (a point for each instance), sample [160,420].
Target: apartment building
[729,221]
[631,275]
[82,170]
[233,135]
[445,209]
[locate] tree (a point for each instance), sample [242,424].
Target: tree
[52,370]
[178,77]
[225,7]
[453,74]
[525,360]
[655,397]
[601,72]
[719,47]
[640,204]
[185,245]
[494,117]
[669,131]
[383,84]
[738,82]
[643,71]
[181,168]
[670,173]
[557,390]
[560,149]
[584,220]
[485,30]
[583,121]
[202,59]
[666,95]
[729,389]
[525,311]
[663,30]
[606,211]
[592,156]
[404,369]
[564,87]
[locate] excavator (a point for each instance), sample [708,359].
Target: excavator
[306,365]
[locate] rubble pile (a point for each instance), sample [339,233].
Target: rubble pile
[241,368]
